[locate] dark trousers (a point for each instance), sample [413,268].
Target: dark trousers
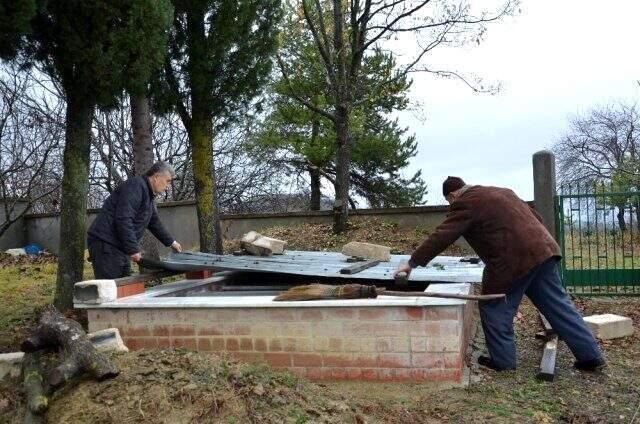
[543,286]
[108,261]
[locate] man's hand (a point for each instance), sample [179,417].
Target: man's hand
[176,246]
[136,257]
[403,267]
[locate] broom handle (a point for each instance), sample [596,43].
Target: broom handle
[384,292]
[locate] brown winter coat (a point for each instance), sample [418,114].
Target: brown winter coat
[505,232]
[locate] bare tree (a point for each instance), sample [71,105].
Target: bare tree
[244,178]
[603,142]
[30,144]
[344,32]
[604,146]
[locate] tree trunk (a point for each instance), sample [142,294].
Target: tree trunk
[314,173]
[143,160]
[621,223]
[206,196]
[37,401]
[201,134]
[56,331]
[343,135]
[75,185]
[637,215]
[341,121]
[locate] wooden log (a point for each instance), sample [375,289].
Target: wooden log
[356,268]
[56,331]
[37,401]
[31,418]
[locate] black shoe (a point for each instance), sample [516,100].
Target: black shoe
[485,361]
[590,365]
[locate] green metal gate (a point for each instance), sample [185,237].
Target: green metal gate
[598,231]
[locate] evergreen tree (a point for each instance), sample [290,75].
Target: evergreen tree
[220,57]
[94,49]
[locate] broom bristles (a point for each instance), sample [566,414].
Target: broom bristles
[325,291]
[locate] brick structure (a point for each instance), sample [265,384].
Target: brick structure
[377,343]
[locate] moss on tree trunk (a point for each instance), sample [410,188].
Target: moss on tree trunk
[75,185]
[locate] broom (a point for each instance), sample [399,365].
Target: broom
[359,291]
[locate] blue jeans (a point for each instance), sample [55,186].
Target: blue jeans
[543,286]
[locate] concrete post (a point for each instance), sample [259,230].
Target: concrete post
[544,188]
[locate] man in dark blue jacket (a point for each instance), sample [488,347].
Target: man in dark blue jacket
[115,234]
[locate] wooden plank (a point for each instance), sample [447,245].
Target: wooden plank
[548,331]
[545,324]
[548,362]
[141,278]
[356,268]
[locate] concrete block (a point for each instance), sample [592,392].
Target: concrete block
[367,250]
[609,326]
[250,237]
[95,291]
[10,364]
[275,245]
[259,245]
[108,340]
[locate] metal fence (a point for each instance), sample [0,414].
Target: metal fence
[599,230]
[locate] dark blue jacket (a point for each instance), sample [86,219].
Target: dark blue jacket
[125,215]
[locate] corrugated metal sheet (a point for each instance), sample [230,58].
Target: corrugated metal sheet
[326,264]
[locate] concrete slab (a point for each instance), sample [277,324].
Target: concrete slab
[609,326]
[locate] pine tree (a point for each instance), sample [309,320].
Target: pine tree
[94,49]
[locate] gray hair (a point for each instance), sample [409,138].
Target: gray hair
[161,167]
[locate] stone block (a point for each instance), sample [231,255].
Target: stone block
[609,326]
[95,291]
[367,251]
[10,364]
[107,340]
[259,245]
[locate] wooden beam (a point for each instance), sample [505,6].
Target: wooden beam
[548,361]
[141,278]
[546,325]
[356,268]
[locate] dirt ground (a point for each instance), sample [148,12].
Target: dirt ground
[180,386]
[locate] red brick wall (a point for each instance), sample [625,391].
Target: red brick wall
[387,343]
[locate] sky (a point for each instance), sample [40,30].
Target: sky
[554,60]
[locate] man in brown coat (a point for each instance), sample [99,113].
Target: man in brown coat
[520,257]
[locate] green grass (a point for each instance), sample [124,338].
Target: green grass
[516,396]
[24,289]
[583,250]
